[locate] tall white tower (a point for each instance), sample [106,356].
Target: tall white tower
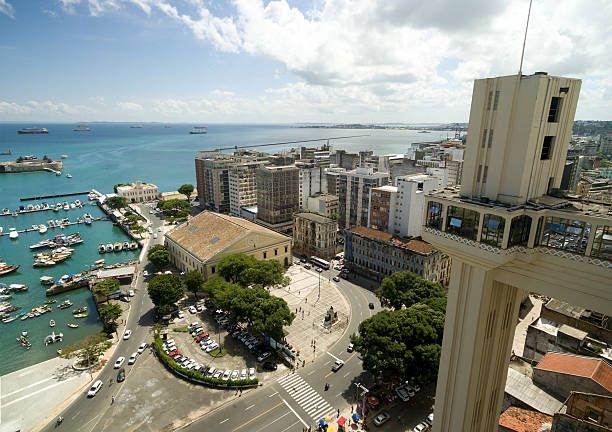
[508,232]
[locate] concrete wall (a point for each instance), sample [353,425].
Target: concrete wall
[563,384]
[593,330]
[566,423]
[29,166]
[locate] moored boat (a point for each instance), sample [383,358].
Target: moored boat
[133,245]
[18,287]
[81,315]
[101,248]
[9,319]
[117,247]
[13,233]
[52,338]
[46,280]
[65,304]
[72,325]
[80,310]
[125,245]
[42,229]
[109,247]
[51,323]
[8,269]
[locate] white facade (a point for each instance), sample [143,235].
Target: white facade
[354,195]
[313,181]
[242,188]
[138,192]
[411,192]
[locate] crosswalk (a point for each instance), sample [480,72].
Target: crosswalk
[306,397]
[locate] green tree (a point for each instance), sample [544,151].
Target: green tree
[405,289]
[45,158]
[194,282]
[166,289]
[155,248]
[160,259]
[106,287]
[402,344]
[131,219]
[116,202]
[117,185]
[88,349]
[108,315]
[265,274]
[232,266]
[138,229]
[19,159]
[174,207]
[187,190]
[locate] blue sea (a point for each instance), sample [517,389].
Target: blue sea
[113,153]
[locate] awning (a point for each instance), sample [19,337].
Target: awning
[341,421]
[355,416]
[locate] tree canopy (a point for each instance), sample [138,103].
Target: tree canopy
[174,207]
[106,287]
[402,344]
[232,266]
[246,271]
[108,316]
[187,190]
[264,313]
[406,288]
[88,349]
[159,256]
[166,289]
[194,282]
[116,202]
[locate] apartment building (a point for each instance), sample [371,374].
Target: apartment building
[354,195]
[277,196]
[242,186]
[313,181]
[138,192]
[323,204]
[314,235]
[375,254]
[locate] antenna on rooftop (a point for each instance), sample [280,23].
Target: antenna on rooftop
[525,40]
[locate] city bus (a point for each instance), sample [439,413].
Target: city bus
[320,262]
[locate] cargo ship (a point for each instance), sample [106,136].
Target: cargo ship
[82,128]
[198,130]
[33,130]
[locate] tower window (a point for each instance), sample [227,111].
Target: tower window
[547,148]
[484,138]
[484,174]
[479,172]
[555,108]
[496,103]
[490,99]
[490,138]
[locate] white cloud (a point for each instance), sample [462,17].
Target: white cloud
[129,106]
[7,9]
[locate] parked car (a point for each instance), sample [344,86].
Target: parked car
[421,427]
[337,365]
[212,347]
[127,334]
[269,366]
[243,374]
[337,267]
[217,374]
[336,279]
[251,373]
[263,356]
[192,309]
[235,374]
[211,370]
[350,347]
[226,374]
[132,359]
[131,293]
[199,308]
[121,375]
[119,362]
[381,418]
[402,394]
[344,275]
[319,269]
[180,314]
[141,348]
[307,266]
[95,388]
[371,305]
[429,420]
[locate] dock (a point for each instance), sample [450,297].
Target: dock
[68,286]
[48,227]
[25,211]
[53,196]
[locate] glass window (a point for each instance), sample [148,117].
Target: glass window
[463,222]
[602,244]
[566,234]
[484,138]
[492,230]
[496,102]
[434,215]
[555,108]
[519,231]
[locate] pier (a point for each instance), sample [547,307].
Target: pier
[48,227]
[53,196]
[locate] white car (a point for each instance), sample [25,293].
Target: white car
[119,362]
[421,427]
[141,348]
[381,418]
[131,293]
[251,373]
[243,374]
[150,211]
[226,374]
[235,374]
[132,359]
[180,314]
[94,388]
[336,279]
[159,229]
[212,347]
[127,334]
[145,273]
[155,235]
[192,309]
[402,394]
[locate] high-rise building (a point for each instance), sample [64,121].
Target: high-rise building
[313,181]
[354,195]
[509,232]
[277,196]
[242,186]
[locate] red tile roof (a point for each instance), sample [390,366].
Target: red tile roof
[522,420]
[414,245]
[587,367]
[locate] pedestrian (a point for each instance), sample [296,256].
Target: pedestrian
[338,412]
[352,409]
[112,400]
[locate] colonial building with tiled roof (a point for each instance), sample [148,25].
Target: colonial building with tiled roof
[516,419]
[564,373]
[204,240]
[376,254]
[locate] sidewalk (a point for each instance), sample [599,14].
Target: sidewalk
[310,307]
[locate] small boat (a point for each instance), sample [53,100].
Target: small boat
[99,262]
[44,263]
[9,319]
[72,325]
[136,126]
[52,338]
[50,301]
[8,269]
[13,233]
[72,205]
[24,332]
[126,245]
[133,245]
[81,315]
[47,280]
[109,247]
[24,317]
[66,205]
[80,310]
[34,227]
[68,176]
[51,323]
[58,173]
[42,229]
[101,248]
[117,247]
[18,287]
[77,203]
[82,128]
[198,130]
[59,351]
[65,304]
[64,156]
[33,130]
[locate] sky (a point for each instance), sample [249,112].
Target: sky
[288,61]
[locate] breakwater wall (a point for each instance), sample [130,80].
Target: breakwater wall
[30,166]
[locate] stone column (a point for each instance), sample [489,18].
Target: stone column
[480,320]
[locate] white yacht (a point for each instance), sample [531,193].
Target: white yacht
[64,156]
[42,229]
[13,233]
[68,175]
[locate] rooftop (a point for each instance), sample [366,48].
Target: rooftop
[588,367]
[522,388]
[315,217]
[208,233]
[413,245]
[522,420]
[564,308]
[386,188]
